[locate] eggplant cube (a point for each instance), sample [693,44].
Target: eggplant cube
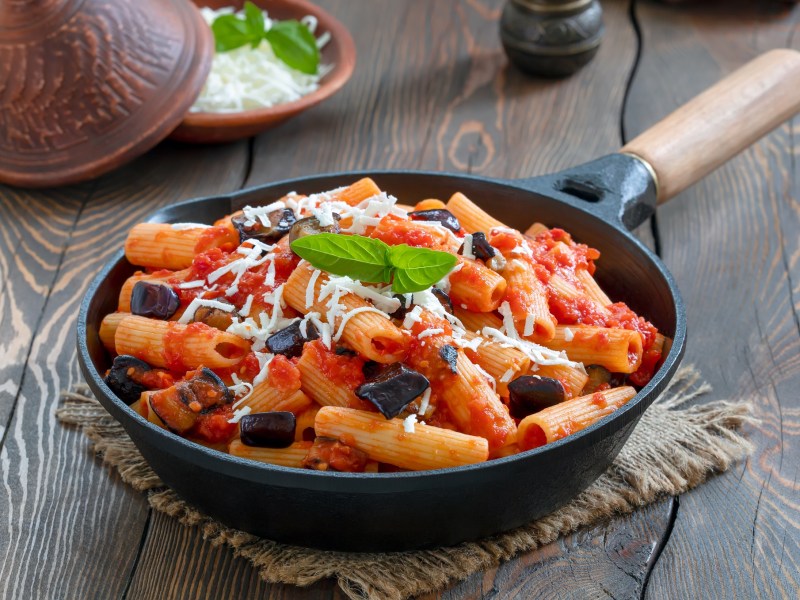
[393,389]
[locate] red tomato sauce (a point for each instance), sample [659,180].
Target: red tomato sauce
[213,427]
[423,354]
[156,379]
[395,233]
[599,400]
[283,374]
[246,370]
[328,454]
[341,369]
[532,438]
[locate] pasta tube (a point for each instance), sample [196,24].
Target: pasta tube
[178,347]
[286,457]
[471,216]
[422,447]
[565,418]
[371,335]
[618,350]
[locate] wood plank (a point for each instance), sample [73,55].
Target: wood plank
[69,529]
[467,111]
[732,244]
[34,229]
[611,560]
[432,90]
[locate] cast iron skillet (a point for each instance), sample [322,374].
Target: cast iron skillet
[598,203]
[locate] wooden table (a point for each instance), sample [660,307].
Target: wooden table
[433,90]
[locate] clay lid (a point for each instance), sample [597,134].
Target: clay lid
[86,85]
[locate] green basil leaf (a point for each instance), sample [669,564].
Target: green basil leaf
[231,32]
[255,20]
[417,269]
[295,45]
[361,258]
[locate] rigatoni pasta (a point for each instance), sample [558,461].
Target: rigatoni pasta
[247,348]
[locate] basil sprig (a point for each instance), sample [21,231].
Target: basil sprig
[408,269]
[292,42]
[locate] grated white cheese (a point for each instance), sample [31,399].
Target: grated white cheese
[467,251]
[312,282]
[257,244]
[276,319]
[384,302]
[324,214]
[444,282]
[196,303]
[185,226]
[424,404]
[430,332]
[248,78]
[324,329]
[248,304]
[409,422]
[488,377]
[238,388]
[412,317]
[261,213]
[263,360]
[369,212]
[506,377]
[238,413]
[568,334]
[530,323]
[188,285]
[509,328]
[268,323]
[538,354]
[472,344]
[270,277]
[238,266]
[522,249]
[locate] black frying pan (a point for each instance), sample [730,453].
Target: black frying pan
[598,203]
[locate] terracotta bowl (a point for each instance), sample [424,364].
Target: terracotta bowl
[340,51]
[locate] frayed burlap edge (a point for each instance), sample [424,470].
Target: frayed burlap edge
[673,449]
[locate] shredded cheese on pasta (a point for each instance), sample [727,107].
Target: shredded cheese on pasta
[185,226]
[409,422]
[196,303]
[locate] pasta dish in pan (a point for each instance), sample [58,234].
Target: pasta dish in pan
[344,331]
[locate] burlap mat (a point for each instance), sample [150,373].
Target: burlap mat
[674,448]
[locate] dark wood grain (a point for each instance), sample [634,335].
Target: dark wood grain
[435,91]
[732,244]
[432,90]
[70,529]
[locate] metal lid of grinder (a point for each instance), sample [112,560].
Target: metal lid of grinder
[551,38]
[86,85]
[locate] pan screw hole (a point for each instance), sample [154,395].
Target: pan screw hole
[580,189]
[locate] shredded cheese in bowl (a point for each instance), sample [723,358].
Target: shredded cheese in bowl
[248,78]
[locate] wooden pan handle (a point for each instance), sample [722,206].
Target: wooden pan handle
[715,126]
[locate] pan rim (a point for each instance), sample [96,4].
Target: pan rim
[256,471]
